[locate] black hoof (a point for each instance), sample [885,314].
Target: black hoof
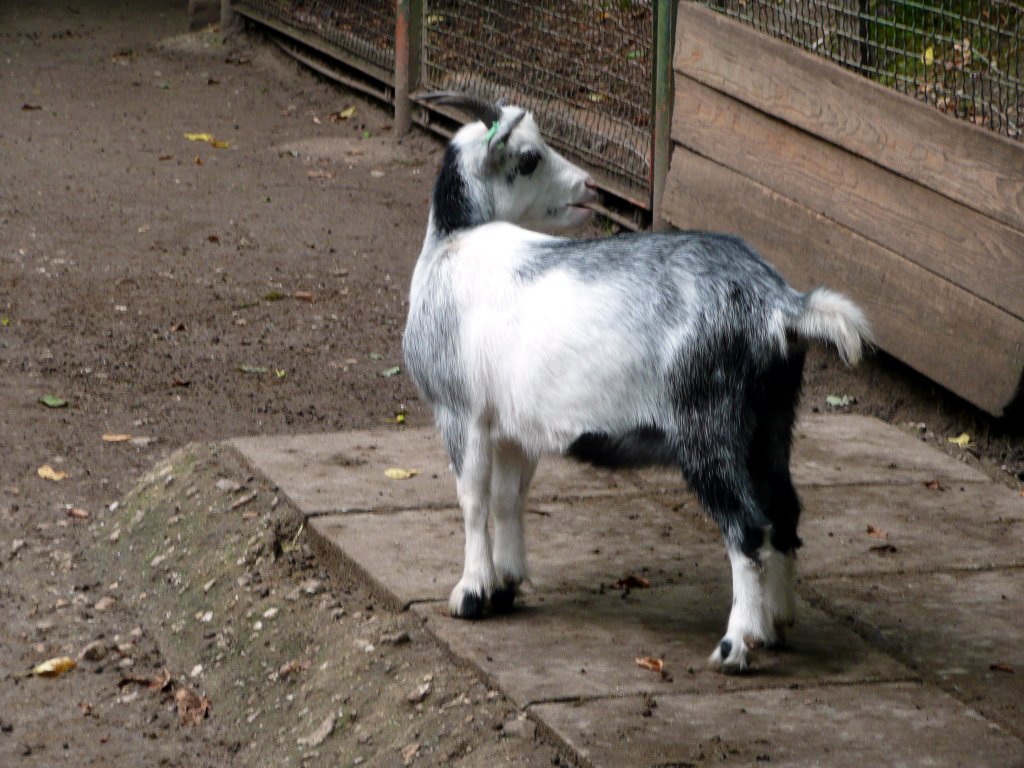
[471,607]
[725,648]
[503,599]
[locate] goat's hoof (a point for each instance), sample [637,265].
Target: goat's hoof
[471,607]
[730,657]
[503,598]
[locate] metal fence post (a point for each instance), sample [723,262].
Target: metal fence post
[661,104]
[408,57]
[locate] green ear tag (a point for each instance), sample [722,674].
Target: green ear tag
[490,134]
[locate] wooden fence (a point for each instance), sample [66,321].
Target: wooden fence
[837,180]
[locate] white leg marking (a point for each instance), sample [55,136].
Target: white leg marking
[763,605]
[468,596]
[510,481]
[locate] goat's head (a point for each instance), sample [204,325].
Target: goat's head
[498,168]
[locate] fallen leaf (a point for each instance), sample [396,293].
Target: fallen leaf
[116,437]
[54,667]
[320,174]
[192,708]
[876,533]
[835,401]
[883,549]
[251,369]
[209,139]
[651,663]
[963,440]
[198,160]
[935,485]
[395,473]
[304,296]
[392,371]
[49,473]
[78,513]
[290,667]
[929,56]
[343,114]
[30,107]
[1000,667]
[632,582]
[164,158]
[52,401]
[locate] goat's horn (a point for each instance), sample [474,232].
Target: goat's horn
[482,110]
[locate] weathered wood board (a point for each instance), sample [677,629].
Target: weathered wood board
[942,236]
[964,343]
[963,162]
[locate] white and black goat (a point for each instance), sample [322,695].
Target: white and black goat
[681,349]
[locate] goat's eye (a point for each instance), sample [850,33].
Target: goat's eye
[528,163]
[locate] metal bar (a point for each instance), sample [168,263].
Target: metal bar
[661,105]
[408,58]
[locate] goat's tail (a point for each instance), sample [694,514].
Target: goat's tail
[832,318]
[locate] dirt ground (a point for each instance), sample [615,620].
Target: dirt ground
[181,292]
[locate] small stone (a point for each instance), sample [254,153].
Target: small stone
[197,670]
[16,546]
[228,486]
[270,613]
[419,694]
[312,586]
[94,651]
[519,728]
[105,603]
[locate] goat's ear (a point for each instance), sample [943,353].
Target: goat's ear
[497,137]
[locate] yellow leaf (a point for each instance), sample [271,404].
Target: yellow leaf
[116,438]
[220,144]
[199,136]
[394,473]
[929,56]
[49,473]
[651,663]
[963,440]
[54,667]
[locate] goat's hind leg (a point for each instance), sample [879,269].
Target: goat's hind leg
[469,596]
[510,481]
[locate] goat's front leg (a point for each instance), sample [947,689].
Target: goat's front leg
[470,594]
[510,481]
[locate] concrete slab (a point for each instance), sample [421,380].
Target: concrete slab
[967,526]
[560,646]
[575,544]
[902,725]
[961,630]
[344,471]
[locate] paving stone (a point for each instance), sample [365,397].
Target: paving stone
[967,526]
[559,645]
[959,629]
[578,543]
[344,471]
[904,725]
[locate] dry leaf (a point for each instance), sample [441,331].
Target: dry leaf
[54,667]
[876,533]
[651,663]
[116,438]
[409,752]
[343,114]
[49,473]
[320,174]
[632,582]
[304,296]
[395,473]
[192,708]
[78,513]
[209,139]
[295,665]
[963,440]
[999,667]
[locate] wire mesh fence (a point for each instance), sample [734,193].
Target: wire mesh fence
[362,29]
[583,67]
[965,57]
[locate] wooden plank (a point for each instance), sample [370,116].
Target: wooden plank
[968,345]
[944,237]
[971,165]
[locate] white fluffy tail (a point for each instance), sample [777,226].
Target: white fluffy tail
[832,318]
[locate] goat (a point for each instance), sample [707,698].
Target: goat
[682,349]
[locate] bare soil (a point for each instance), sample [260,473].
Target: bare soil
[181,293]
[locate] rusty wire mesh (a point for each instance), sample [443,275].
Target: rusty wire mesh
[965,57]
[582,67]
[363,30]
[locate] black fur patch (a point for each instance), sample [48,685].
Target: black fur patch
[452,208]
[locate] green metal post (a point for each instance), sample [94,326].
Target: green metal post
[661,104]
[408,58]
